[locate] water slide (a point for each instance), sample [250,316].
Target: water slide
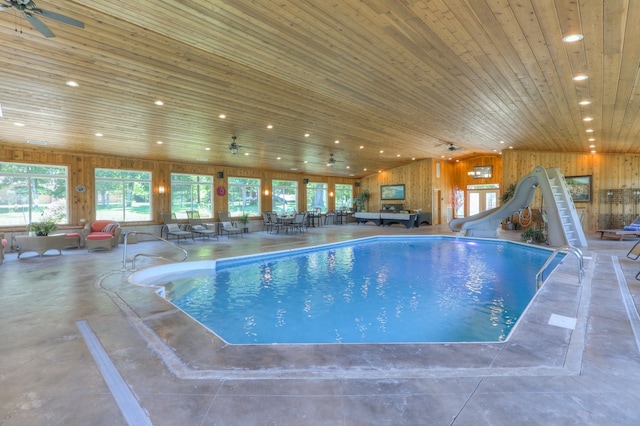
[564,227]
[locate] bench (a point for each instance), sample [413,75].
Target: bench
[618,234]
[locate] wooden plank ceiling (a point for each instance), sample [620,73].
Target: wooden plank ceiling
[390,80]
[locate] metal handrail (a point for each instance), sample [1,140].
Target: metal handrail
[133,261]
[564,249]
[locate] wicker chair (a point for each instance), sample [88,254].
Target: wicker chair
[101,234]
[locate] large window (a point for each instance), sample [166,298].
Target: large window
[284,196]
[317,196]
[123,195]
[191,193]
[344,196]
[32,192]
[244,196]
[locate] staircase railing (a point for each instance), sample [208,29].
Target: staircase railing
[125,236]
[564,249]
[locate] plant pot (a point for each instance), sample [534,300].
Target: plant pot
[245,230]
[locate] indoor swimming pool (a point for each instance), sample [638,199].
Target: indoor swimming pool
[372,290]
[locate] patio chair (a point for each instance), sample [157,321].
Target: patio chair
[197,227]
[230,228]
[224,217]
[266,222]
[171,227]
[299,222]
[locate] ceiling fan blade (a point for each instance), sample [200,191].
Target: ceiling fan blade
[38,25]
[60,18]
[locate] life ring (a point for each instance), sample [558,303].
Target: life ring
[221,191]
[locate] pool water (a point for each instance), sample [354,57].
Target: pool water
[374,290]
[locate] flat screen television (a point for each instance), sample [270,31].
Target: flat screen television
[392,192]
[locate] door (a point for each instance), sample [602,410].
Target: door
[480,200]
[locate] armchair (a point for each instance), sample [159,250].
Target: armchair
[101,234]
[3,244]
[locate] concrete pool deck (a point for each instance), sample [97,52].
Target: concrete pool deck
[557,373]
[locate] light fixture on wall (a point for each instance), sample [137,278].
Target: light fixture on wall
[266,192]
[161,189]
[331,194]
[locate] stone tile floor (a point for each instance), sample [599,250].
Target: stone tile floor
[179,374]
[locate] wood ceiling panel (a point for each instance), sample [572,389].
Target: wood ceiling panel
[406,78]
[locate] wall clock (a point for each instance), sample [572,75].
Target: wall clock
[221,191]
[81,188]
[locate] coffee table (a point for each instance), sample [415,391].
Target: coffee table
[40,244]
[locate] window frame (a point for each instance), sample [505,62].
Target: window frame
[252,186]
[341,188]
[276,184]
[205,181]
[312,188]
[124,195]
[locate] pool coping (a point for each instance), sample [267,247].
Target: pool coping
[535,347]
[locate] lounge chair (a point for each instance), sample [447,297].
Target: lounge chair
[171,227]
[633,226]
[230,228]
[203,229]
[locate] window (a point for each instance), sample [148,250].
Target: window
[244,196]
[123,195]
[191,193]
[32,192]
[284,196]
[344,196]
[317,196]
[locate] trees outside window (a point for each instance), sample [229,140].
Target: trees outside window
[33,192]
[244,196]
[284,196]
[191,193]
[344,196]
[317,196]
[123,195]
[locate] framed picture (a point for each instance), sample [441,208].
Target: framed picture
[579,188]
[392,192]
[482,172]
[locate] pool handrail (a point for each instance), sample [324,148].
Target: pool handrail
[125,235]
[562,249]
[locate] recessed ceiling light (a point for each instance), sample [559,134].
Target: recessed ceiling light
[72,83]
[592,146]
[294,169]
[379,171]
[587,119]
[306,135]
[585,102]
[348,167]
[269,126]
[361,146]
[413,158]
[381,151]
[159,142]
[510,147]
[589,130]
[34,142]
[19,124]
[591,139]
[398,155]
[159,103]
[364,170]
[246,153]
[457,161]
[593,151]
[442,156]
[572,38]
[278,158]
[351,174]
[222,116]
[207,149]
[580,77]
[202,159]
[306,161]
[337,141]
[501,141]
[99,135]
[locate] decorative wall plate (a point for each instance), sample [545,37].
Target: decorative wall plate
[221,191]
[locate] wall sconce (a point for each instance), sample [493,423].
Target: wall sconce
[161,189]
[331,194]
[266,192]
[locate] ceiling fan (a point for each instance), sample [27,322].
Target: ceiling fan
[31,12]
[233,146]
[332,161]
[452,148]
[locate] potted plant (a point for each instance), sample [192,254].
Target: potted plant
[361,199]
[245,222]
[533,235]
[43,227]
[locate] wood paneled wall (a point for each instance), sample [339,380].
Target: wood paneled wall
[82,166]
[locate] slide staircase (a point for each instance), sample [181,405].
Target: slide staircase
[564,227]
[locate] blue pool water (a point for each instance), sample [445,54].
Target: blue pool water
[374,290]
